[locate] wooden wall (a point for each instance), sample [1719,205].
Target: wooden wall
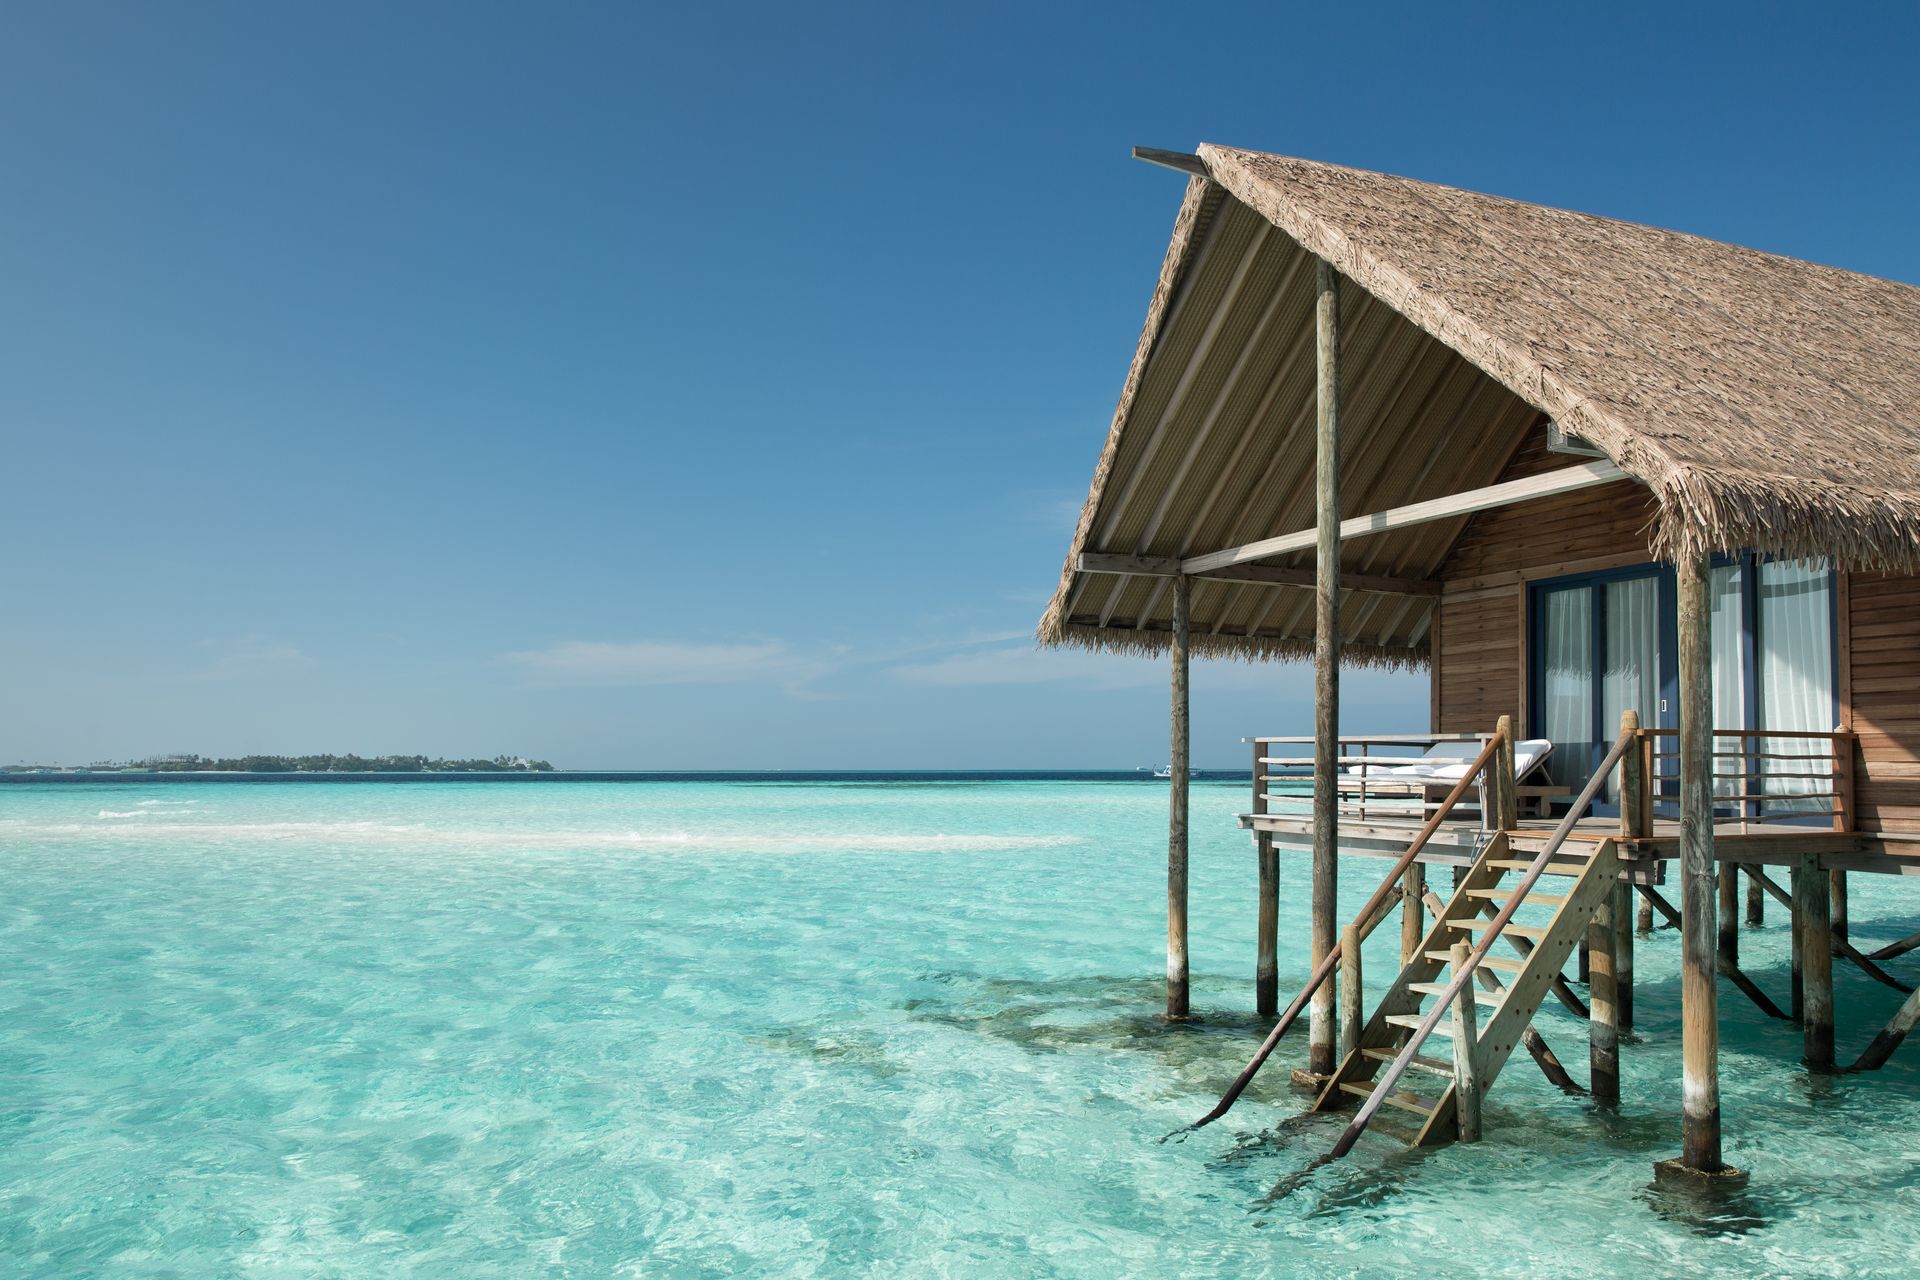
[1880,697]
[1480,656]
[1480,643]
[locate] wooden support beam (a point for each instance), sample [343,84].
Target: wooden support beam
[1508,493]
[1840,945]
[1700,1146]
[1893,949]
[1177,1002]
[1756,905]
[1258,574]
[1814,909]
[1890,1035]
[1623,956]
[1353,1015]
[1321,1060]
[1837,891]
[1727,880]
[1413,918]
[1603,1022]
[1266,961]
[1467,1089]
[1179,161]
[1633,824]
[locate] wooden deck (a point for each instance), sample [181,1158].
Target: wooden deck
[1457,843]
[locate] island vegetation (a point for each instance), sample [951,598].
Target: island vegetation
[323,763]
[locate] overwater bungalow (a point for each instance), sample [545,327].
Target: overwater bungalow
[1647,508]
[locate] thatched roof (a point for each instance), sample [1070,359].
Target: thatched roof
[1765,402]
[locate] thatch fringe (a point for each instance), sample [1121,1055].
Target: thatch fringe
[1152,642]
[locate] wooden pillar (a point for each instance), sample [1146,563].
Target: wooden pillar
[1413,919]
[1728,939]
[1700,1150]
[1756,904]
[1812,906]
[1504,797]
[1352,993]
[1837,891]
[1603,1025]
[1623,956]
[1177,1007]
[1326,658]
[1797,937]
[1266,960]
[1467,1089]
[1634,782]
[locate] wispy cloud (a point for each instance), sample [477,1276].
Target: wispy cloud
[647,662]
[250,657]
[1026,664]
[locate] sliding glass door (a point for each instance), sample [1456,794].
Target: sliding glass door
[1602,643]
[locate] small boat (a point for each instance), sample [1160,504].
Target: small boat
[1166,773]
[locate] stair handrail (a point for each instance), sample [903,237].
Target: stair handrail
[1462,976]
[1367,920]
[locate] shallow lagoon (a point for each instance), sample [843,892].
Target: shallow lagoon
[712,1028]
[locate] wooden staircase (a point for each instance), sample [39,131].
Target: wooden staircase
[1561,897]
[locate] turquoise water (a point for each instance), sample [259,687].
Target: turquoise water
[475,1030]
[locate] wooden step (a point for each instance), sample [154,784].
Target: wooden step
[1531,932]
[1412,1021]
[1532,899]
[1486,962]
[1398,1098]
[1490,998]
[1432,1066]
[1555,867]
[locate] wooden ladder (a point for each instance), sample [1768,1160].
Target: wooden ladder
[1399,1028]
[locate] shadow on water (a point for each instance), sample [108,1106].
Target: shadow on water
[1708,1212]
[834,1043]
[1101,1013]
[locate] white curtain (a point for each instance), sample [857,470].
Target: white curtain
[1729,689]
[1568,710]
[1631,680]
[1795,639]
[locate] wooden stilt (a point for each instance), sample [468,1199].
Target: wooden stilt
[1583,963]
[1413,920]
[1797,989]
[1634,783]
[1603,1025]
[1623,956]
[1467,1092]
[1643,922]
[1700,1147]
[1326,657]
[1352,995]
[1727,880]
[1177,1005]
[1840,945]
[1756,904]
[1814,910]
[1890,1035]
[1837,892]
[1266,959]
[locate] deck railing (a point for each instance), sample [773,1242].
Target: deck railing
[1367,788]
[1761,776]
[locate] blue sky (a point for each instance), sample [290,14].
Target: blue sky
[715,386]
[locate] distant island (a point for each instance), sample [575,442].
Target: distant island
[295,764]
